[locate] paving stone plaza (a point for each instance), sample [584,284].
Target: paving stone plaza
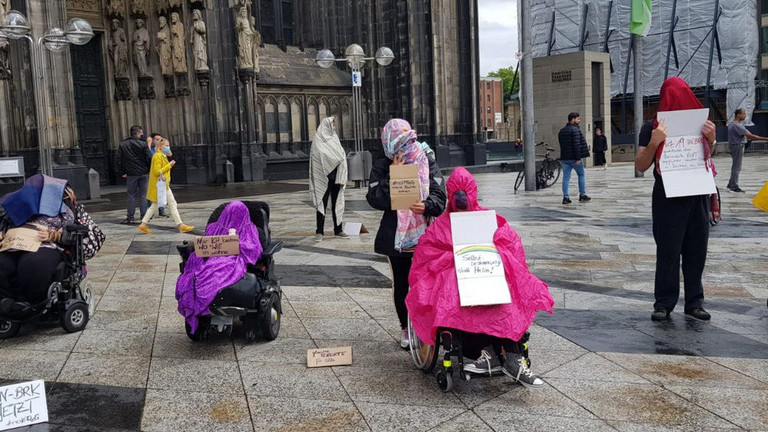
[606,365]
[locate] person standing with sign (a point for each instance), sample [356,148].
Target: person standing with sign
[399,230]
[327,177]
[160,171]
[737,137]
[681,224]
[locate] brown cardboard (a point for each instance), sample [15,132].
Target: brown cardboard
[21,239]
[211,246]
[404,186]
[323,357]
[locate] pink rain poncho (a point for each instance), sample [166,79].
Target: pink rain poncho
[433,300]
[203,278]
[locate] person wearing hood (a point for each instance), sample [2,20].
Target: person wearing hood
[46,204]
[433,301]
[680,225]
[400,230]
[327,177]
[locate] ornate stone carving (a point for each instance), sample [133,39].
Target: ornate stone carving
[141,48]
[240,3]
[182,86]
[83,5]
[122,89]
[115,8]
[146,87]
[199,42]
[165,6]
[256,45]
[163,48]
[170,87]
[178,45]
[5,7]
[5,70]
[139,8]
[118,49]
[245,37]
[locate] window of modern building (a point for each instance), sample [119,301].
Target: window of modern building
[764,41]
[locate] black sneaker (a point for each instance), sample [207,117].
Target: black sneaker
[584,198]
[699,314]
[127,221]
[516,366]
[660,315]
[736,189]
[566,200]
[163,214]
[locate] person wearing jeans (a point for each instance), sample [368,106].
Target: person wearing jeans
[573,147]
[133,164]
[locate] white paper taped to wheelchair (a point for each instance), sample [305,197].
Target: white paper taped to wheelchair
[213,246]
[20,239]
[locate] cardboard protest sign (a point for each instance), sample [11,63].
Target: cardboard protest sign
[21,239]
[23,404]
[404,186]
[213,246]
[479,268]
[355,228]
[329,357]
[682,163]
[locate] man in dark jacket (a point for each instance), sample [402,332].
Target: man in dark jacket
[133,160]
[573,147]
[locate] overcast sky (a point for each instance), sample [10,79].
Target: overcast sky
[498,34]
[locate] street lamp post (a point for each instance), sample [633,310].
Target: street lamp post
[77,31]
[355,57]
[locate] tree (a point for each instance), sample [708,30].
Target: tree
[508,78]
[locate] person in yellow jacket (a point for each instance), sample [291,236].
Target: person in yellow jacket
[160,170]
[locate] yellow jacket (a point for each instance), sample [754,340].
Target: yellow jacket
[160,166]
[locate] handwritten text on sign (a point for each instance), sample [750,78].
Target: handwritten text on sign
[329,357]
[683,153]
[22,405]
[21,239]
[404,186]
[213,246]
[682,163]
[478,261]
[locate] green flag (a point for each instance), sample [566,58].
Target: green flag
[640,17]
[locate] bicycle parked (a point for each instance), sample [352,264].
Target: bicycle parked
[546,174]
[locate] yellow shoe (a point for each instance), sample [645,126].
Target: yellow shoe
[145,229]
[185,228]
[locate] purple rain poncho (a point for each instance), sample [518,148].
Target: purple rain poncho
[203,278]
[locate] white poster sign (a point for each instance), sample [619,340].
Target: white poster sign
[356,79]
[479,269]
[23,404]
[682,163]
[498,117]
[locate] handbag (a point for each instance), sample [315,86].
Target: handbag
[92,242]
[162,194]
[761,199]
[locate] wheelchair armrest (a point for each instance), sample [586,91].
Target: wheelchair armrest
[71,233]
[273,248]
[76,228]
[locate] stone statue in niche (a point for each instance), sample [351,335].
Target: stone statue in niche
[5,70]
[139,8]
[245,36]
[163,47]
[198,40]
[256,44]
[115,8]
[119,49]
[178,45]
[141,48]
[5,7]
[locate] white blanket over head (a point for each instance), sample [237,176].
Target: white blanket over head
[327,155]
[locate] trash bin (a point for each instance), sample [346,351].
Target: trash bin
[359,165]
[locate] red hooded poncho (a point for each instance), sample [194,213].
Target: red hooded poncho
[433,300]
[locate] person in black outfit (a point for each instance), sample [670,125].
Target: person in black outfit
[600,147]
[133,160]
[680,225]
[573,147]
[378,197]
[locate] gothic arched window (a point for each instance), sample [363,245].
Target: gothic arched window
[276,18]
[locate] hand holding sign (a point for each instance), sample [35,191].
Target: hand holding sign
[683,159]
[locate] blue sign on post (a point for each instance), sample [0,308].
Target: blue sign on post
[356,79]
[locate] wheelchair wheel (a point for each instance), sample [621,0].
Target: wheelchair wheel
[444,380]
[270,323]
[203,329]
[75,318]
[8,329]
[424,356]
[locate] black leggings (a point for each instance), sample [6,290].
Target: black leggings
[473,343]
[401,267]
[333,193]
[33,272]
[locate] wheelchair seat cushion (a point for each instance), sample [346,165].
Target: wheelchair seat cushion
[243,293]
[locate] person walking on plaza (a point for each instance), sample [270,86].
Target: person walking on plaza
[680,225]
[152,141]
[133,161]
[573,147]
[327,177]
[600,147]
[399,230]
[737,137]
[161,172]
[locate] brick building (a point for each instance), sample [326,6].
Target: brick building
[491,104]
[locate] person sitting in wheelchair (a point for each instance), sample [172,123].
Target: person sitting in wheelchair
[45,204]
[204,278]
[433,301]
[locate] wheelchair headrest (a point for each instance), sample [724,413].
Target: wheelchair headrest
[259,213]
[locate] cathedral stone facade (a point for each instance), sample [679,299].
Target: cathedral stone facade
[233,83]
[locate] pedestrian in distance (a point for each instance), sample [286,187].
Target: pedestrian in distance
[160,174]
[133,159]
[680,225]
[573,147]
[327,177]
[737,138]
[600,146]
[399,230]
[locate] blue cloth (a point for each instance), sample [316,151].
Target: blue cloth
[40,195]
[568,165]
